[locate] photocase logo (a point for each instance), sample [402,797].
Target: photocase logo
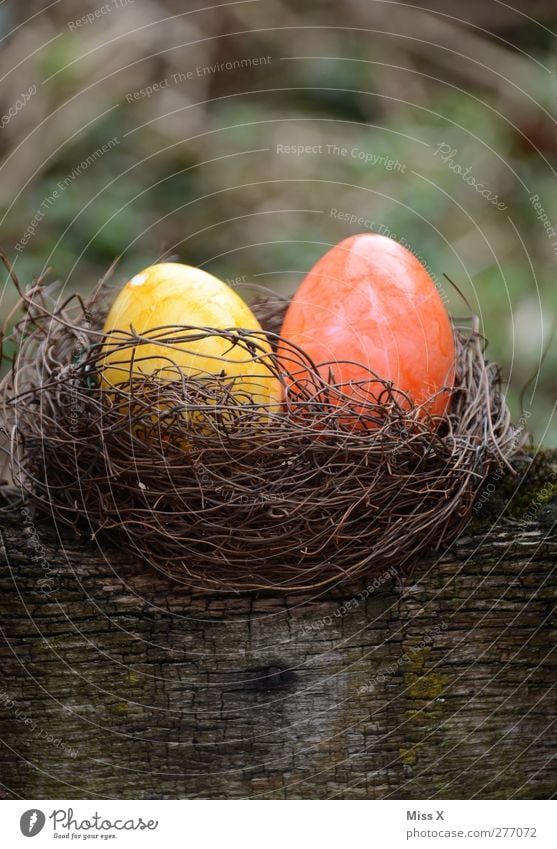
[32,822]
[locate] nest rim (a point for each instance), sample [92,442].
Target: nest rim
[359,472]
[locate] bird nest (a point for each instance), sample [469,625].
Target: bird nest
[223,494]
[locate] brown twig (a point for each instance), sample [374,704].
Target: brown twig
[222,493]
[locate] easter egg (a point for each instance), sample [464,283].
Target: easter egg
[369,305]
[162,303]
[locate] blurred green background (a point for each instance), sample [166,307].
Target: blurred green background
[141,129]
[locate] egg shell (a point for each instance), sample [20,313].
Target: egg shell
[370,302]
[172,294]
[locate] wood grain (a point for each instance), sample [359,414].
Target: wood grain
[119,683]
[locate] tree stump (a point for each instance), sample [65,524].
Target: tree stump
[119,683]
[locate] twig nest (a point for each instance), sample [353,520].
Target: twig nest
[224,492]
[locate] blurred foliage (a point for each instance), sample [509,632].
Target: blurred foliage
[196,172]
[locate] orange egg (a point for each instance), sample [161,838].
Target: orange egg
[368,303]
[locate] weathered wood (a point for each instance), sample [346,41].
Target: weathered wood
[119,683]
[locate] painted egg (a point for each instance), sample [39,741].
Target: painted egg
[369,303]
[172,294]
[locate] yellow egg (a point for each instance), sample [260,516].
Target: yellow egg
[169,295]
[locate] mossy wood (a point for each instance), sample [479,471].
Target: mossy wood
[119,683]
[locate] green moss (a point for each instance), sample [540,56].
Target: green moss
[417,657]
[425,687]
[408,756]
[522,495]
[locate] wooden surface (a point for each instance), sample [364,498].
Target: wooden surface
[118,683]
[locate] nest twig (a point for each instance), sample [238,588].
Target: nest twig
[224,494]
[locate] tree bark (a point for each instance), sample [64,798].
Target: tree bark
[119,683]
